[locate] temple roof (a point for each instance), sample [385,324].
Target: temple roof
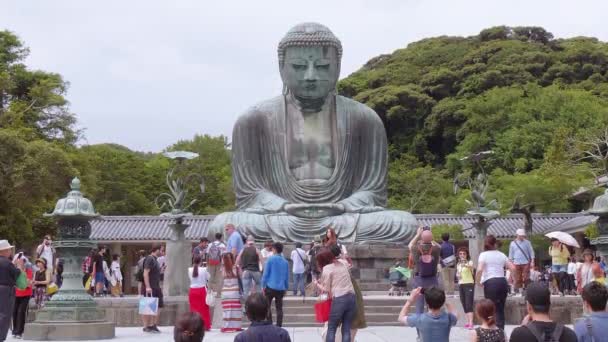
[153,228]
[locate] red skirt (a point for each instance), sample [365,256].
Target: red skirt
[198,303]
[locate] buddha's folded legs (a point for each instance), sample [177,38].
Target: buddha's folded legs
[380,227]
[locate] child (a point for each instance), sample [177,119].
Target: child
[535,275]
[488,331]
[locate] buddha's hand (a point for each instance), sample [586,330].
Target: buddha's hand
[316,210]
[371,209]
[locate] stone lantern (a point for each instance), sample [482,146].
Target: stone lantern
[71,314]
[600,209]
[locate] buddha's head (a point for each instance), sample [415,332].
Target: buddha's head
[309,60]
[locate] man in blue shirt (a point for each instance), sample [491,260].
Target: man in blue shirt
[595,326]
[275,281]
[235,241]
[434,325]
[521,255]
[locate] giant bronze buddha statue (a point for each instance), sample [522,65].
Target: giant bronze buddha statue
[309,158]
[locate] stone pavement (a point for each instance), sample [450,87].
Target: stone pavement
[371,334]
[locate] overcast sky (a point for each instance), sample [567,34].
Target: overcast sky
[145,74]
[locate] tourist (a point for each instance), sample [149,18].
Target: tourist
[189,328]
[491,275]
[249,263]
[434,325]
[266,252]
[332,239]
[535,275]
[571,276]
[257,308]
[22,296]
[335,280]
[10,270]
[594,327]
[214,262]
[275,281]
[139,271]
[201,250]
[235,241]
[98,273]
[58,273]
[359,322]
[151,284]
[585,272]
[162,264]
[198,290]
[488,331]
[315,249]
[425,256]
[47,252]
[116,275]
[599,276]
[537,325]
[559,264]
[86,266]
[235,245]
[299,260]
[42,279]
[447,253]
[521,254]
[232,313]
[466,284]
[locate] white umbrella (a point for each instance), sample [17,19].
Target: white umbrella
[564,238]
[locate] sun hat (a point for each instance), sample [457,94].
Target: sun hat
[4,245]
[520,232]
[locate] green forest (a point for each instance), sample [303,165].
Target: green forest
[539,103]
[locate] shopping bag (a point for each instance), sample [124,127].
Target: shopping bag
[322,310]
[22,281]
[51,289]
[148,306]
[87,284]
[210,299]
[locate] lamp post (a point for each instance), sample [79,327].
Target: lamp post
[71,314]
[179,250]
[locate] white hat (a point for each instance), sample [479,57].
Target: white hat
[520,232]
[4,245]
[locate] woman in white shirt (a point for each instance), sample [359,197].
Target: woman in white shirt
[116,277]
[199,276]
[491,276]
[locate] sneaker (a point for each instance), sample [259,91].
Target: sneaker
[155,329]
[18,337]
[147,330]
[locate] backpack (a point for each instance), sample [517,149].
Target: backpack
[214,256]
[541,335]
[139,275]
[426,263]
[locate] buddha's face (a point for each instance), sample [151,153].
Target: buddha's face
[310,72]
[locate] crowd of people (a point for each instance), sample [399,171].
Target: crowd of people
[247,281]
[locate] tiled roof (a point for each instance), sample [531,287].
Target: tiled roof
[505,226]
[145,228]
[151,228]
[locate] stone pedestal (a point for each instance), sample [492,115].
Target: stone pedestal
[178,258]
[71,314]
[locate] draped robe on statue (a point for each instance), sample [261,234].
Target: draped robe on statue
[263,181]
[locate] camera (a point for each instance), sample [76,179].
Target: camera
[426,228]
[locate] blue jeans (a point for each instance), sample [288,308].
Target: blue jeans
[559,268]
[248,278]
[425,283]
[343,309]
[298,283]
